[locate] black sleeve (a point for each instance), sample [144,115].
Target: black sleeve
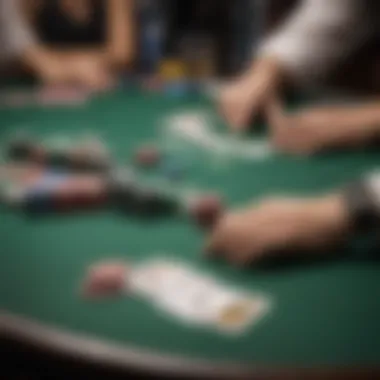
[363,201]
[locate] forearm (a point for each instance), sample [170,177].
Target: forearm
[356,125]
[120,44]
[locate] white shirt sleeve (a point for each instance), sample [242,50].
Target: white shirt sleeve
[15,34]
[318,35]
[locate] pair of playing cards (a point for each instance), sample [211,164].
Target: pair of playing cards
[197,299]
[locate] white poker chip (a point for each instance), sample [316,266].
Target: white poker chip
[12,195]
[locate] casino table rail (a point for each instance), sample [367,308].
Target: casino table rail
[94,355]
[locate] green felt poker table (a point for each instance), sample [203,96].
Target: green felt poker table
[324,317]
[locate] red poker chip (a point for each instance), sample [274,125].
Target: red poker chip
[81,193]
[147,156]
[207,210]
[105,280]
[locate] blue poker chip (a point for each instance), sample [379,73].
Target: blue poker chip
[40,197]
[39,202]
[49,182]
[173,170]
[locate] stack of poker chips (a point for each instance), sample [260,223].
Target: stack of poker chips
[37,190]
[90,157]
[42,176]
[49,192]
[28,184]
[128,195]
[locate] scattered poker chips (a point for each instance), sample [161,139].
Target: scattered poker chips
[88,154]
[128,195]
[65,183]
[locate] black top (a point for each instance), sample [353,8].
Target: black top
[55,26]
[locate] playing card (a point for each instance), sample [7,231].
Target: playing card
[153,278]
[190,299]
[195,298]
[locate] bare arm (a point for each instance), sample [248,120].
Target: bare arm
[120,44]
[315,129]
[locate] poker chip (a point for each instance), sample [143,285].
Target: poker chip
[206,210]
[173,170]
[78,193]
[12,195]
[20,147]
[94,146]
[106,280]
[122,190]
[152,202]
[147,156]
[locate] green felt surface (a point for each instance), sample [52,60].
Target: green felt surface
[323,313]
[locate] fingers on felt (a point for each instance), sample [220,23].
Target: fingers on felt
[230,241]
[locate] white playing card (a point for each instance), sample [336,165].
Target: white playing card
[188,298]
[151,278]
[196,298]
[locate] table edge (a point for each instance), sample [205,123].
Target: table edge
[111,355]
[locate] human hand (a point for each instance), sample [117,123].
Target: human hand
[315,129]
[280,225]
[241,100]
[87,70]
[82,70]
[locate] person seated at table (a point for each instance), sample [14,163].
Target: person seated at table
[317,37]
[80,42]
[304,225]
